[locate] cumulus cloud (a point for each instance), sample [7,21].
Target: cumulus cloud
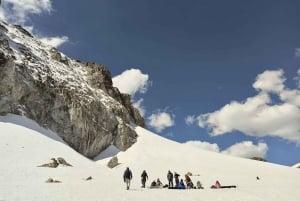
[190,119]
[247,149]
[259,115]
[55,41]
[161,120]
[19,12]
[131,81]
[204,145]
[270,81]
[16,11]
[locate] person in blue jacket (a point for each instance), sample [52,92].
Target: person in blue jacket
[181,184]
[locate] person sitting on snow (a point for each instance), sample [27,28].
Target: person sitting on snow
[181,184]
[216,185]
[199,185]
[188,181]
[158,182]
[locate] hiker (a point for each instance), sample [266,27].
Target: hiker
[199,185]
[188,181]
[144,178]
[216,185]
[181,184]
[127,176]
[176,176]
[170,179]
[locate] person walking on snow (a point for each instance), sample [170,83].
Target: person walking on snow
[127,176]
[144,178]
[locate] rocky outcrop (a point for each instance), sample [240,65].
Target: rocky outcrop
[53,164]
[259,159]
[74,99]
[113,162]
[50,180]
[63,162]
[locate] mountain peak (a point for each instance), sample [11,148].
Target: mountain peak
[74,99]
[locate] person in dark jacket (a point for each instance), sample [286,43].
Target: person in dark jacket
[176,176]
[144,178]
[127,176]
[170,179]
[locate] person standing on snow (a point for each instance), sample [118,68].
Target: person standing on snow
[176,176]
[144,178]
[127,176]
[170,179]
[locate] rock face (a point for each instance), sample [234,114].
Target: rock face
[259,159]
[74,99]
[113,162]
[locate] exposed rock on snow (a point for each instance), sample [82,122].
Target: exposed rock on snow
[53,164]
[50,180]
[89,178]
[62,161]
[113,162]
[259,159]
[74,99]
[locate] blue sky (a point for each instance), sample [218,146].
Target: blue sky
[223,75]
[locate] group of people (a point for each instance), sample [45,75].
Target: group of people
[179,183]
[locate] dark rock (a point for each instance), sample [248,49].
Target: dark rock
[53,164]
[89,178]
[259,159]
[113,162]
[62,161]
[50,180]
[24,31]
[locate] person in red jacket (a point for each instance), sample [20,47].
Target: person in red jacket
[216,185]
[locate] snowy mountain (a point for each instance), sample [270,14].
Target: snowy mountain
[25,145]
[75,99]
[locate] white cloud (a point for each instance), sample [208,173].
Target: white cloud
[190,119]
[270,81]
[297,52]
[247,149]
[132,81]
[18,11]
[258,116]
[161,120]
[204,145]
[138,105]
[297,78]
[55,41]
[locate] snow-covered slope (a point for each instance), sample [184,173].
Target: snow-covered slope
[24,146]
[296,165]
